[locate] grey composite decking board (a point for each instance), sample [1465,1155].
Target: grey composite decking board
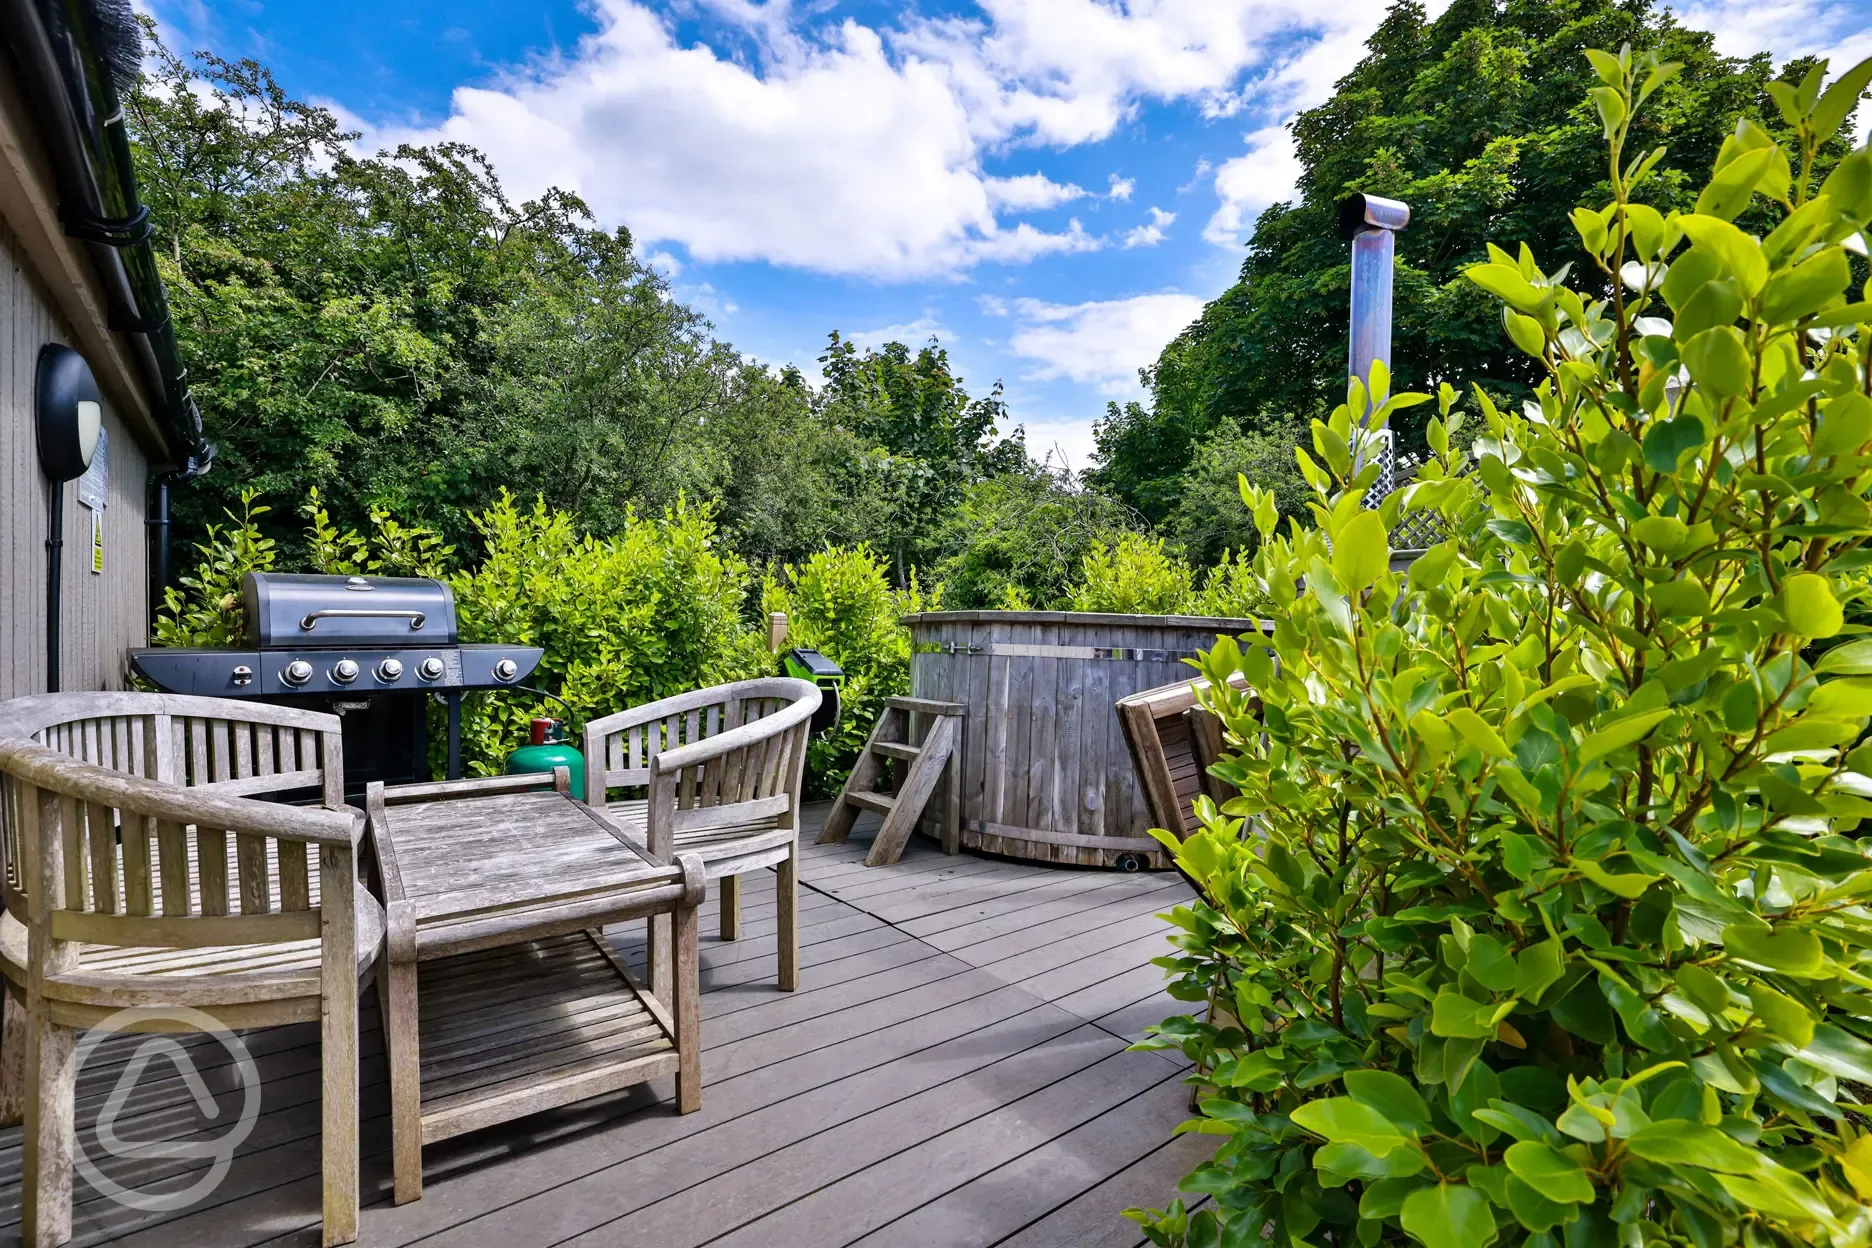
[975,944]
[910,1177]
[1056,982]
[999,1204]
[945,896]
[1094,1218]
[886,1062]
[1144,931]
[1096,1001]
[716,1179]
[762,1201]
[1131,1020]
[1021,910]
[870,1070]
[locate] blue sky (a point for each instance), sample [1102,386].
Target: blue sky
[1051,187]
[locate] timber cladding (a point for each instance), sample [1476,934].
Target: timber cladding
[103,614]
[1046,771]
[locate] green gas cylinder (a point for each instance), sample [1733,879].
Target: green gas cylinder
[550,749]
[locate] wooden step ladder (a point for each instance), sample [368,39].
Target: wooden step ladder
[935,758]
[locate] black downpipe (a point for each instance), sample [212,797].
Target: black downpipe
[55,559]
[158,526]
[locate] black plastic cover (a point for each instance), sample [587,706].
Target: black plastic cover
[815,663]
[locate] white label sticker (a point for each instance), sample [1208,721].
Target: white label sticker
[94,485]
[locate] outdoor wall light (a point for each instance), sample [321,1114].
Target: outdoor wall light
[69,411]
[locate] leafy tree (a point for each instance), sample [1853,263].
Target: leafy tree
[936,438]
[1476,118]
[600,384]
[1017,540]
[1207,519]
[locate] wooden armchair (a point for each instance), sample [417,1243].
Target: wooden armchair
[722,772]
[141,875]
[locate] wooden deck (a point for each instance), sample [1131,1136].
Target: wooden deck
[952,1071]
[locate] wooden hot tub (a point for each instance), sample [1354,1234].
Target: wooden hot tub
[1046,774]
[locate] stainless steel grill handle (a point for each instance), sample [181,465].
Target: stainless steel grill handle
[415,618]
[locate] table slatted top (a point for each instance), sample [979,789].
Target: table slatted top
[482,852]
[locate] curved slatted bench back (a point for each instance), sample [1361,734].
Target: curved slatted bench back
[130,819]
[666,748]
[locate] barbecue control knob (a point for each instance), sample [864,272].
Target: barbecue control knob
[506,669]
[344,671]
[389,670]
[430,669]
[297,672]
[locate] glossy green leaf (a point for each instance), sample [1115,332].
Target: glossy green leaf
[1737,254]
[1344,1120]
[1692,1144]
[1668,440]
[1852,659]
[1728,193]
[1477,732]
[1619,734]
[1665,534]
[1790,951]
[1785,1018]
[1537,967]
[1355,1161]
[1840,99]
[1806,288]
[1550,1172]
[1809,605]
[1391,1095]
[1361,553]
[1629,885]
[1448,1215]
[1533,1210]
[1506,284]
[1718,360]
[1839,1052]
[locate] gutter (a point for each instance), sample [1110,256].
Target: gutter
[57,48]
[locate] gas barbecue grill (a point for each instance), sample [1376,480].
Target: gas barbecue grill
[373,649]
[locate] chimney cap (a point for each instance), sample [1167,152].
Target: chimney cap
[1359,213]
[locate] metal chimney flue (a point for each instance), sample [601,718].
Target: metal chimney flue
[1371,223]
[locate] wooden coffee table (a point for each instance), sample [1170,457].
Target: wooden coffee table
[499,888]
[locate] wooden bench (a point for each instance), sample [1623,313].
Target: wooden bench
[721,771]
[142,874]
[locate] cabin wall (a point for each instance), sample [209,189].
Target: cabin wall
[103,614]
[1046,773]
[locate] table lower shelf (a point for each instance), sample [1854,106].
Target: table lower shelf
[513,1031]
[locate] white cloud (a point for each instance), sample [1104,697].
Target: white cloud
[1121,188]
[705,299]
[1841,32]
[1267,174]
[912,334]
[852,149]
[1102,343]
[1152,232]
[1029,192]
[664,263]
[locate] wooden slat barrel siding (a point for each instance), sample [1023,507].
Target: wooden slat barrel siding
[1046,772]
[103,613]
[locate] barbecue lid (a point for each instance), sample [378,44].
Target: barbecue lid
[300,610]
